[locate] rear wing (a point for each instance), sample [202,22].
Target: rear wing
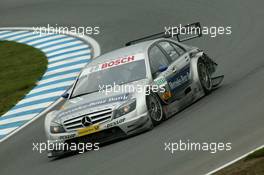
[181,33]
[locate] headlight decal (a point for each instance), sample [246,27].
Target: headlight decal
[125,108]
[56,128]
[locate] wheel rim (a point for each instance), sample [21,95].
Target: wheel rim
[155,109]
[204,76]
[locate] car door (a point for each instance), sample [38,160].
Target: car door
[179,70]
[161,71]
[159,64]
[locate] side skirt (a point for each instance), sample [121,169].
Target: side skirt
[178,105]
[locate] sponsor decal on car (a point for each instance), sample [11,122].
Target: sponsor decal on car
[117,62]
[112,99]
[166,95]
[160,81]
[112,63]
[180,79]
[115,123]
[88,130]
[65,137]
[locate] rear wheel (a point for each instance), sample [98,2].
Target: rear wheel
[155,109]
[205,77]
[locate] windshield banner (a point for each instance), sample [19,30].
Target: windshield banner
[112,63]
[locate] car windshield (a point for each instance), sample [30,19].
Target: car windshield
[113,73]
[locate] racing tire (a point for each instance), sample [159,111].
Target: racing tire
[155,109]
[204,77]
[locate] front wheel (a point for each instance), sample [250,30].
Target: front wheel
[155,109]
[205,77]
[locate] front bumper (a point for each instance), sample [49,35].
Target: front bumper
[124,126]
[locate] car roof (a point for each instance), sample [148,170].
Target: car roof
[122,52]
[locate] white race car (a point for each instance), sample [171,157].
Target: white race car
[130,90]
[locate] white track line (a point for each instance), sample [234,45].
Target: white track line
[17,119]
[65,69]
[61,46]
[52,42]
[44,39]
[60,77]
[235,160]
[57,58]
[67,50]
[4,31]
[12,33]
[69,61]
[39,97]
[23,35]
[30,121]
[62,84]
[96,52]
[26,108]
[23,40]
[7,130]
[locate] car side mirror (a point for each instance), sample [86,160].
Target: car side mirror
[65,95]
[162,68]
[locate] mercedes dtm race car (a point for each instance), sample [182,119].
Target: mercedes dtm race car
[130,90]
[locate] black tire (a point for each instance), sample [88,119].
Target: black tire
[204,77]
[155,109]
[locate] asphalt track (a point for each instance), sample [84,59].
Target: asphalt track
[234,113]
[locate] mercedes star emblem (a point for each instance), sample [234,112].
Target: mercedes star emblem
[86,121]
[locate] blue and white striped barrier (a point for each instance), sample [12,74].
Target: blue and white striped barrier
[67,55]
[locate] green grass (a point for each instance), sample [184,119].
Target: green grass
[257,154]
[20,68]
[253,164]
